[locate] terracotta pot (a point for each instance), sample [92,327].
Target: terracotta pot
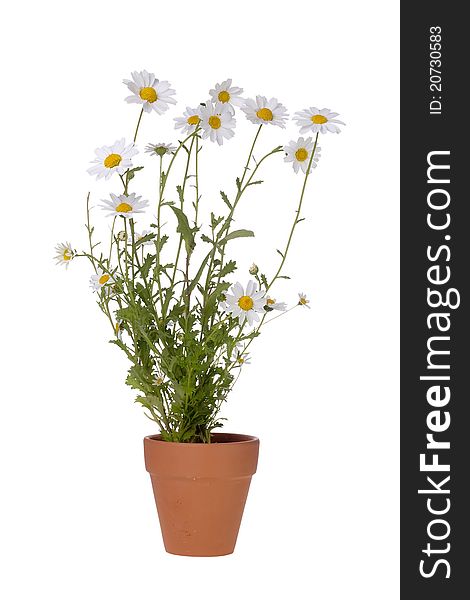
[200,491]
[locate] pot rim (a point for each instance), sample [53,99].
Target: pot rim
[238,439]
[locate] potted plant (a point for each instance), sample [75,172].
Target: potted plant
[169,294]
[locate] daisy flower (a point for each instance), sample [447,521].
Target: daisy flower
[160,149]
[303,300]
[265,112]
[237,350]
[300,152]
[99,280]
[227,94]
[271,304]
[63,254]
[243,359]
[124,206]
[245,304]
[145,232]
[150,92]
[217,122]
[113,159]
[317,121]
[189,121]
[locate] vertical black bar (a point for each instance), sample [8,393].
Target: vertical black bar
[435,228]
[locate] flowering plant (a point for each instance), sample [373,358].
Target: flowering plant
[186,328]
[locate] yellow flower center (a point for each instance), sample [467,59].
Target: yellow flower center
[159,381]
[103,279]
[193,120]
[117,328]
[303,300]
[318,119]
[113,160]
[67,255]
[123,207]
[265,114]
[223,96]
[246,303]
[148,94]
[240,360]
[215,122]
[270,301]
[301,154]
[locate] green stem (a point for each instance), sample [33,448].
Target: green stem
[180,244]
[138,125]
[297,214]
[158,242]
[197,182]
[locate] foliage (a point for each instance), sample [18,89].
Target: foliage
[169,314]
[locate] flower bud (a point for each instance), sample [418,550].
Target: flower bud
[254,269]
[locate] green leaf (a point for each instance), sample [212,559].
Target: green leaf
[143,240]
[179,189]
[184,229]
[229,267]
[132,172]
[215,221]
[163,241]
[199,273]
[147,264]
[225,199]
[212,298]
[236,234]
[206,238]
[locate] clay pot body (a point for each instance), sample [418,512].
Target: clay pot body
[200,491]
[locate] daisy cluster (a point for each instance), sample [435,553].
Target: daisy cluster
[215,120]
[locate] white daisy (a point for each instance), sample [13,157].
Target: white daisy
[273,305]
[124,206]
[299,153]
[145,233]
[150,92]
[189,121]
[217,122]
[303,300]
[160,149]
[100,279]
[245,304]
[265,112]
[243,359]
[63,254]
[237,350]
[317,121]
[227,94]
[113,159]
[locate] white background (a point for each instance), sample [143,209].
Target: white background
[77,513]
